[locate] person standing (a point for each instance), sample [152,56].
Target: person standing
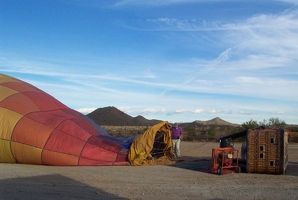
[176,136]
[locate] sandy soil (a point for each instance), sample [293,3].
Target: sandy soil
[187,179]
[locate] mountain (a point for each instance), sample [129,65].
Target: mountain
[115,117]
[112,116]
[215,121]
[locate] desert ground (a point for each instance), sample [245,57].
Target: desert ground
[189,178]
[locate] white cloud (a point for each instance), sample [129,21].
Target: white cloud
[249,80]
[273,36]
[212,111]
[148,74]
[198,111]
[139,110]
[86,110]
[152,110]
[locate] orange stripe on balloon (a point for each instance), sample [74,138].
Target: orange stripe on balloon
[57,158]
[31,132]
[20,86]
[97,153]
[74,129]
[19,103]
[44,101]
[64,143]
[90,162]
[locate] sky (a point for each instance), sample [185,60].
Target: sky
[172,60]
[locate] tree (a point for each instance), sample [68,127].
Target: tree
[263,123]
[250,124]
[273,122]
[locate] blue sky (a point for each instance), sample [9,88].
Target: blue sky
[173,60]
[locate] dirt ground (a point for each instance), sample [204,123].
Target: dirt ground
[187,179]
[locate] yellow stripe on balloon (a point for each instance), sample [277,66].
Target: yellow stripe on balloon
[5,152]
[8,120]
[6,92]
[26,154]
[5,78]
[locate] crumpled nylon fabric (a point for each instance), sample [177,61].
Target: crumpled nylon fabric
[141,147]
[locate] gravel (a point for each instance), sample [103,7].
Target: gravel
[190,178]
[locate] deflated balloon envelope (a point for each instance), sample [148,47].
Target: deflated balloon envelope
[35,128]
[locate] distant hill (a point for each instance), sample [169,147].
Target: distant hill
[113,116]
[215,121]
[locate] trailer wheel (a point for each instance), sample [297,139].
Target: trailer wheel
[238,170]
[219,171]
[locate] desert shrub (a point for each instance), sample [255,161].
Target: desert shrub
[250,124]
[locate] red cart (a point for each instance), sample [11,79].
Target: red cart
[224,158]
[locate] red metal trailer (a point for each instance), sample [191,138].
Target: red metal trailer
[223,159]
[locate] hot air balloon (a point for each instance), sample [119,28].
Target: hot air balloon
[35,128]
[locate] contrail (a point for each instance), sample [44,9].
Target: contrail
[225,55]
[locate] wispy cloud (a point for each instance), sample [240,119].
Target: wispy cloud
[45,68]
[171,65]
[155,2]
[290,1]
[142,111]
[171,2]
[263,45]
[269,34]
[177,25]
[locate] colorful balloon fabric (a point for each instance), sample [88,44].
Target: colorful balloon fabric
[35,128]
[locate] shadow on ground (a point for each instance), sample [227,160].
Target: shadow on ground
[203,164]
[195,164]
[292,169]
[50,187]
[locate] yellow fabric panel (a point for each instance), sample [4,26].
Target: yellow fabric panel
[5,152]
[6,92]
[8,120]
[26,154]
[142,145]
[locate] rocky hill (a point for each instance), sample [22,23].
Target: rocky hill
[113,116]
[215,121]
